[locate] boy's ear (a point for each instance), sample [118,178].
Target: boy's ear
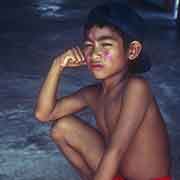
[134,50]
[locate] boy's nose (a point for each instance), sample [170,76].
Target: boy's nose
[96,55]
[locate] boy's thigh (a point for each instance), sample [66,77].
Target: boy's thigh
[83,138]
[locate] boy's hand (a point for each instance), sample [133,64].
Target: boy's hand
[71,58]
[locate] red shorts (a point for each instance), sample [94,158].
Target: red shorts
[162,178]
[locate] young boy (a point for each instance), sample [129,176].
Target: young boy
[131,140]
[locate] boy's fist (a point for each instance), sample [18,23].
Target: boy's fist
[71,58]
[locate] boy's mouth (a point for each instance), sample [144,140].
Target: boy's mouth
[96,66]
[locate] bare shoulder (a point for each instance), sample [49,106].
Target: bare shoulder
[138,83]
[139,87]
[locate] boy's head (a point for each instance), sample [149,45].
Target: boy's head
[122,23]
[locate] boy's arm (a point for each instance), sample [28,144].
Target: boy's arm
[135,103]
[71,103]
[47,106]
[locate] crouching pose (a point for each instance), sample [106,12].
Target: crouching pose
[131,139]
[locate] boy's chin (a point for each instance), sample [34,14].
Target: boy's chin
[100,76]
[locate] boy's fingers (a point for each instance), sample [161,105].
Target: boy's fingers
[66,60]
[68,56]
[82,60]
[80,54]
[76,55]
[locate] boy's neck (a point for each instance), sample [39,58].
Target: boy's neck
[115,82]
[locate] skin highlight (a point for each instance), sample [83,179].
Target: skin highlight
[108,56]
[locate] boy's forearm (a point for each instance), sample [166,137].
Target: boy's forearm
[47,95]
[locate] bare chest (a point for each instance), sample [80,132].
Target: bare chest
[107,114]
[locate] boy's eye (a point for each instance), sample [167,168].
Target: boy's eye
[88,45]
[106,44]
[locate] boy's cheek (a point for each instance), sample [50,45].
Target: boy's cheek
[107,55]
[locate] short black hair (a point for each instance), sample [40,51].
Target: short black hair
[101,23]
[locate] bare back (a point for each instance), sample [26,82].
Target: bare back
[148,149]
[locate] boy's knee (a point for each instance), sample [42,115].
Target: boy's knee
[59,127]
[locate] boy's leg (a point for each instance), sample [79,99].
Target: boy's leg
[81,144]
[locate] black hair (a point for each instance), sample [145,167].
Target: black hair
[127,39]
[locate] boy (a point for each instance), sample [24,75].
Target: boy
[131,141]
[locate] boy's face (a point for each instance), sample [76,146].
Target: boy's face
[104,52]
